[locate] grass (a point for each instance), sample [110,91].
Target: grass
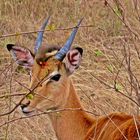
[110,63]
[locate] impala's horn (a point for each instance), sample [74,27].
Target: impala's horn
[40,35]
[62,52]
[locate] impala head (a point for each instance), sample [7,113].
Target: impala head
[50,69]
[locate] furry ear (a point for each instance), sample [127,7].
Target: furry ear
[73,59]
[21,55]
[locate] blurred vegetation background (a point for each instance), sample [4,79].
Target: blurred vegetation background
[109,76]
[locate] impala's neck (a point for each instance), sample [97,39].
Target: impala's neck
[71,125]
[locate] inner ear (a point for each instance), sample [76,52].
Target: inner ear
[73,59]
[21,55]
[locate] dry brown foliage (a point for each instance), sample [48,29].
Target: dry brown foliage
[108,79]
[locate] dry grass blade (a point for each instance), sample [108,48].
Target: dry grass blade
[108,79]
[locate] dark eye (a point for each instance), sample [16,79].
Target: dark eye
[56,77]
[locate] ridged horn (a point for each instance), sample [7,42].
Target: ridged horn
[40,35]
[62,52]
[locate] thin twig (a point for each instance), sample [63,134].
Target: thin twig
[110,119]
[19,103]
[32,32]
[46,112]
[112,87]
[123,20]
[136,126]
[11,95]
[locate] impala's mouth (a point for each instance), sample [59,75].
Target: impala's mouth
[25,110]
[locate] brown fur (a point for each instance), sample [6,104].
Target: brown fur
[70,124]
[77,125]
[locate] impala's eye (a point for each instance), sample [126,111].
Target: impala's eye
[56,77]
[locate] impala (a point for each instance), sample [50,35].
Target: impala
[51,67]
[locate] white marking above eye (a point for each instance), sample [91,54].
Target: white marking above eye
[51,53]
[48,78]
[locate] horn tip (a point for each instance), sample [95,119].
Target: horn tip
[80,22]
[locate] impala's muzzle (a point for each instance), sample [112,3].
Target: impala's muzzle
[24,108]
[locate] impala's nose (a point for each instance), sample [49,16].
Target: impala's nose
[24,108]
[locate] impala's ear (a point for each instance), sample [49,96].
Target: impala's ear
[21,55]
[73,59]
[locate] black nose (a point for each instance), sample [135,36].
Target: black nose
[24,105]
